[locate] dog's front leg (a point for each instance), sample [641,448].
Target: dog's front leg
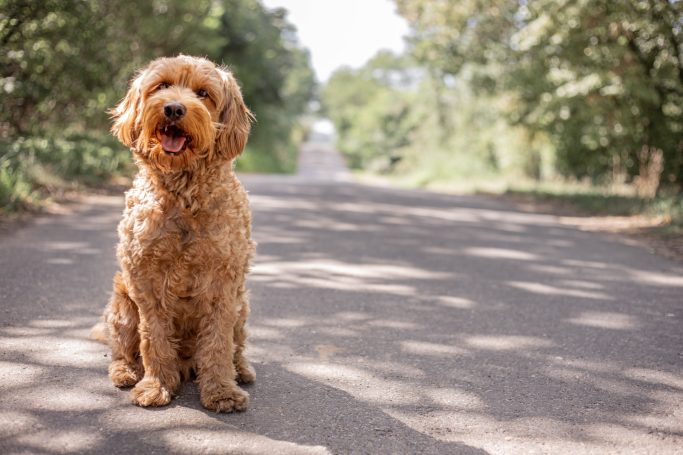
[159,357]
[216,371]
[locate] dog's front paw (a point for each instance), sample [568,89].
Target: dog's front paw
[150,392]
[245,373]
[226,399]
[123,374]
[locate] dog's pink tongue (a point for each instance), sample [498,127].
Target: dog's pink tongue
[172,144]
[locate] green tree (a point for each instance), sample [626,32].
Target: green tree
[64,63]
[601,79]
[372,109]
[275,72]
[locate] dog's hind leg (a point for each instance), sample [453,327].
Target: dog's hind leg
[122,319]
[245,372]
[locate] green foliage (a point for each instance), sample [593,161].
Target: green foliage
[277,80]
[65,62]
[15,189]
[256,161]
[36,166]
[601,80]
[585,89]
[392,115]
[372,111]
[615,84]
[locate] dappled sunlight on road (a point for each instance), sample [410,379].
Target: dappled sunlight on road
[66,441]
[337,275]
[655,377]
[415,322]
[50,376]
[540,288]
[55,395]
[453,302]
[605,320]
[506,331]
[435,349]
[500,253]
[60,376]
[506,343]
[220,442]
[660,279]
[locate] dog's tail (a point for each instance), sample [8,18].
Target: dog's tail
[100,331]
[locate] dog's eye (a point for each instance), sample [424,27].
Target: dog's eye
[163,85]
[202,93]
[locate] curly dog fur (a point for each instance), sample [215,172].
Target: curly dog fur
[180,303]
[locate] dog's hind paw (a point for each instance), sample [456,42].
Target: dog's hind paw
[150,392]
[226,400]
[245,373]
[123,374]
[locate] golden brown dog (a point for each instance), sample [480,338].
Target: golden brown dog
[180,303]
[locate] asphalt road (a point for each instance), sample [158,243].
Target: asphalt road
[383,321]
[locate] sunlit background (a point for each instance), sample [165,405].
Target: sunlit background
[344,33]
[546,97]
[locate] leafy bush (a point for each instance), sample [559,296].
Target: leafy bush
[38,166]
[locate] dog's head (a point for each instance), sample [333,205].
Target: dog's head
[180,111]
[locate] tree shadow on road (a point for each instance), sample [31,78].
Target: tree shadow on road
[382,322]
[461,313]
[57,397]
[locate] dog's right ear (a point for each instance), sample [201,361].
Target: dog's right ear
[125,114]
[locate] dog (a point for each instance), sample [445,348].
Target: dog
[180,303]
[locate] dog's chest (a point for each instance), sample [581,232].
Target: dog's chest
[179,239]
[195,238]
[173,253]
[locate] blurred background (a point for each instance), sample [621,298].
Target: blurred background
[573,98]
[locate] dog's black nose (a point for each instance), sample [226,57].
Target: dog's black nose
[174,110]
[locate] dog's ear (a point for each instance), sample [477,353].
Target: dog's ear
[235,119]
[125,114]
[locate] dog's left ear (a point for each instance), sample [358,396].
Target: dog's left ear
[235,119]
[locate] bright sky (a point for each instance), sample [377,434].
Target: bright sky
[344,32]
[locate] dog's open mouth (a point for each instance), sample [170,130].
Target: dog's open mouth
[173,139]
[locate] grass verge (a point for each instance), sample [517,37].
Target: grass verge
[596,201]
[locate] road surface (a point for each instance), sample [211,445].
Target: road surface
[383,321]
